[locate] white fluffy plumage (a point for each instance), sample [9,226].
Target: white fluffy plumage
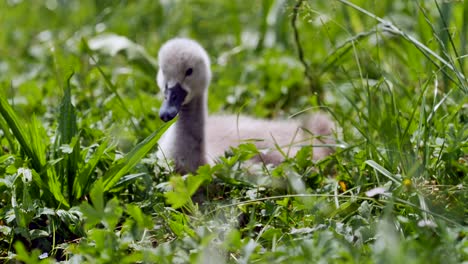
[196,139]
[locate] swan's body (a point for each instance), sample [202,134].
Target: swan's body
[196,139]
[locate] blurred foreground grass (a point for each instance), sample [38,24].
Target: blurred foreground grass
[79,123]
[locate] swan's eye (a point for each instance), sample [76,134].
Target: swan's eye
[188,72]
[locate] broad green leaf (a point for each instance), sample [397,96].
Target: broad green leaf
[142,220]
[73,218]
[25,256]
[112,213]
[204,174]
[180,226]
[33,148]
[68,134]
[52,193]
[183,190]
[37,233]
[97,196]
[92,217]
[247,151]
[38,137]
[94,214]
[180,195]
[303,157]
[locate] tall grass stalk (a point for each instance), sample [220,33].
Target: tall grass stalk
[430,54]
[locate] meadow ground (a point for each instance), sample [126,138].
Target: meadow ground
[80,182]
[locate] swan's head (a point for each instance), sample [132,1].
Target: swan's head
[184,73]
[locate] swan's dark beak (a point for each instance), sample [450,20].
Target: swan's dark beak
[174,97]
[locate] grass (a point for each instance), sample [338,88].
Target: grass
[80,182]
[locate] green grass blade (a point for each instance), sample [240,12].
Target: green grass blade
[124,165]
[335,56]
[8,135]
[263,27]
[82,182]
[38,137]
[382,170]
[67,118]
[55,187]
[446,12]
[19,132]
[68,133]
[37,134]
[109,84]
[128,178]
[463,37]
[390,27]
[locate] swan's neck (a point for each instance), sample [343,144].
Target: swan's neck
[190,131]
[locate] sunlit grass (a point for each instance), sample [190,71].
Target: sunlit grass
[80,182]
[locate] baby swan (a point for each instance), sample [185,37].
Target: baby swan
[196,139]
